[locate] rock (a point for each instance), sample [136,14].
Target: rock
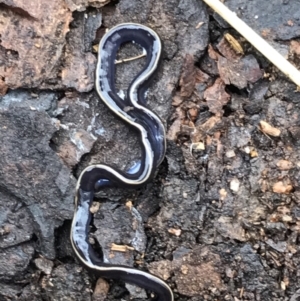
[101,290]
[253,273]
[162,268]
[239,72]
[20,98]
[44,265]
[79,67]
[120,225]
[9,291]
[276,20]
[15,222]
[199,270]
[81,5]
[32,42]
[15,260]
[67,282]
[32,172]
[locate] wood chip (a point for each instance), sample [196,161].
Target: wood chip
[230,154]
[3,87]
[284,165]
[283,210]
[95,207]
[121,248]
[198,146]
[202,77]
[96,48]
[234,43]
[216,97]
[188,77]
[286,218]
[204,129]
[227,51]
[295,47]
[129,205]
[223,194]
[199,25]
[177,100]
[253,153]
[268,129]
[242,292]
[235,185]
[101,290]
[184,269]
[247,150]
[212,53]
[176,232]
[282,188]
[286,281]
[193,113]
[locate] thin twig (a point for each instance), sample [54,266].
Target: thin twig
[130,59]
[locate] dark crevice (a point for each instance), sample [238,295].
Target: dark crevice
[231,89]
[228,110]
